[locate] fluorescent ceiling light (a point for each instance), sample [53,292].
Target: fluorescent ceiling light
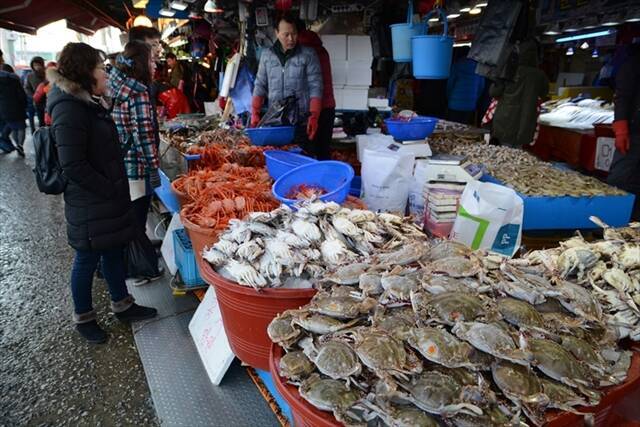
[476,10]
[570,51]
[167,12]
[595,53]
[178,43]
[465,9]
[483,4]
[211,6]
[584,46]
[434,19]
[611,20]
[462,44]
[585,36]
[572,27]
[140,4]
[552,32]
[178,5]
[453,15]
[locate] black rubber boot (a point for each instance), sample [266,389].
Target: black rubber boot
[92,332]
[136,312]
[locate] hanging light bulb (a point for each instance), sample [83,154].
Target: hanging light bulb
[585,46]
[570,51]
[211,6]
[142,21]
[595,53]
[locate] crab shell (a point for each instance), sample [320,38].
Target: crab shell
[520,313]
[379,351]
[281,329]
[439,394]
[556,362]
[337,360]
[295,366]
[439,346]
[328,394]
[348,274]
[456,266]
[493,339]
[449,307]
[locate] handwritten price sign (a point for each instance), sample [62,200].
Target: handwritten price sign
[208,334]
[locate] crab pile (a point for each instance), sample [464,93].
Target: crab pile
[451,336]
[608,269]
[288,248]
[524,172]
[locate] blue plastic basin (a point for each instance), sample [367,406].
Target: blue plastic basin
[280,162]
[415,129]
[276,136]
[333,176]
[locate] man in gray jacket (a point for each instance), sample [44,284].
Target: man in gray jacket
[286,69]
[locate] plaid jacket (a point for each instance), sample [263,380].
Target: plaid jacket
[133,115]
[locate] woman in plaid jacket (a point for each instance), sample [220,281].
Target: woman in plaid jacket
[132,112]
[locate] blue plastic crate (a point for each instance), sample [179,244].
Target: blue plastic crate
[185,259]
[571,213]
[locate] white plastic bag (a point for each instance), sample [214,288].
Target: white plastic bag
[416,190]
[489,217]
[386,177]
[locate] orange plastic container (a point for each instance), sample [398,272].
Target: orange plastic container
[304,415]
[201,237]
[183,198]
[246,313]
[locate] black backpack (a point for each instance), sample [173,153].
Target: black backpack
[49,176]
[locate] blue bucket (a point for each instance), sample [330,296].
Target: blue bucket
[333,176]
[275,136]
[413,130]
[432,54]
[401,35]
[280,162]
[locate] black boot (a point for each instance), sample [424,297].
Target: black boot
[92,332]
[136,312]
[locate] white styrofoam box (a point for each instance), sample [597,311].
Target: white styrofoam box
[378,102]
[359,74]
[354,98]
[339,72]
[336,45]
[359,48]
[338,94]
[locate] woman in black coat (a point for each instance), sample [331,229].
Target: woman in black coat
[97,203]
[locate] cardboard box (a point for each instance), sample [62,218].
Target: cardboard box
[336,45]
[359,48]
[339,72]
[354,98]
[359,74]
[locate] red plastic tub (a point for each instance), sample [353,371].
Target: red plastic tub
[603,413]
[304,415]
[201,237]
[183,198]
[246,313]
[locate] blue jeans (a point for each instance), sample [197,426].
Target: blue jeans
[84,267]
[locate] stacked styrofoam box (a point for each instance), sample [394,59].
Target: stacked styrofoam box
[351,59]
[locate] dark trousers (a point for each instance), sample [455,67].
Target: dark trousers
[40,113]
[141,212]
[465,117]
[625,173]
[321,145]
[84,267]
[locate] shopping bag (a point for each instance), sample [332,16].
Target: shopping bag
[416,190]
[386,177]
[141,259]
[283,112]
[489,217]
[175,102]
